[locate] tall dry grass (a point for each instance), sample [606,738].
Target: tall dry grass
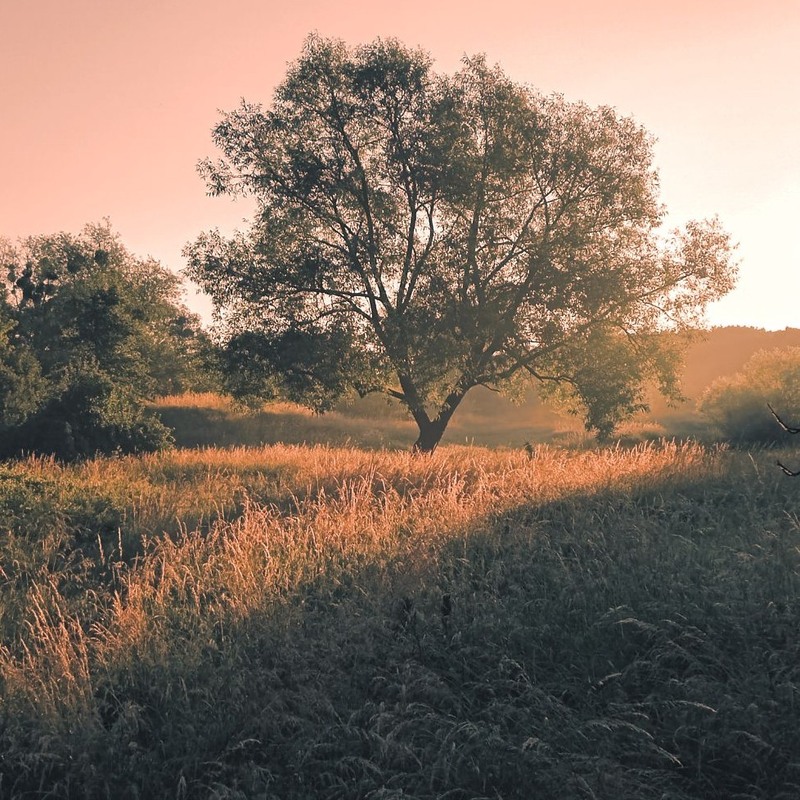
[293,621]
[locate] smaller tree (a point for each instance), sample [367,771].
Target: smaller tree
[88,333]
[735,403]
[22,385]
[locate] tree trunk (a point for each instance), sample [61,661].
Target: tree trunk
[432,430]
[430,434]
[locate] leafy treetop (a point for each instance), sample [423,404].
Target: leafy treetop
[420,234]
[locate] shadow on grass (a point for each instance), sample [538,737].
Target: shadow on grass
[373,423]
[615,644]
[210,427]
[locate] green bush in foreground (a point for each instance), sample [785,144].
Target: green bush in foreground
[92,415]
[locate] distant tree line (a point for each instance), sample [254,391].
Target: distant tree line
[88,334]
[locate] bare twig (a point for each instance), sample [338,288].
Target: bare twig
[780,422]
[789,429]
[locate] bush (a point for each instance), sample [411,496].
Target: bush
[737,404]
[91,416]
[89,333]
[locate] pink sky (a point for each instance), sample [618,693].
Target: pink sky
[107,105]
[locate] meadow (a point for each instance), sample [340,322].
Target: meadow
[346,620]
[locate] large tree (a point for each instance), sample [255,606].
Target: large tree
[420,234]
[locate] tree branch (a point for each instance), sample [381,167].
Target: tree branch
[787,471]
[788,429]
[780,422]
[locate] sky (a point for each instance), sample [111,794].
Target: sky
[106,106]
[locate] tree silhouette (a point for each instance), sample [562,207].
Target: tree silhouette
[448,231]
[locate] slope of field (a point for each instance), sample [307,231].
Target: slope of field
[724,351]
[484,417]
[330,622]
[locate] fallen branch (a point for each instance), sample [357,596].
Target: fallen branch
[787,471]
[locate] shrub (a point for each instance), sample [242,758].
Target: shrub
[90,416]
[737,404]
[88,334]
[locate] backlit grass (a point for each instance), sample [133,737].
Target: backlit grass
[301,622]
[484,418]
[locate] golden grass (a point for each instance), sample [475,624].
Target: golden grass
[166,491]
[483,419]
[276,518]
[211,400]
[285,600]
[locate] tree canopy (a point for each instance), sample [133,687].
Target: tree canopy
[420,234]
[87,333]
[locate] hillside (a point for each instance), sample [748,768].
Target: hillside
[711,355]
[725,350]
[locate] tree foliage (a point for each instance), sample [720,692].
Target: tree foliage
[737,404]
[457,230]
[87,333]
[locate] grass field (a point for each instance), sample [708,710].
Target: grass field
[298,621]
